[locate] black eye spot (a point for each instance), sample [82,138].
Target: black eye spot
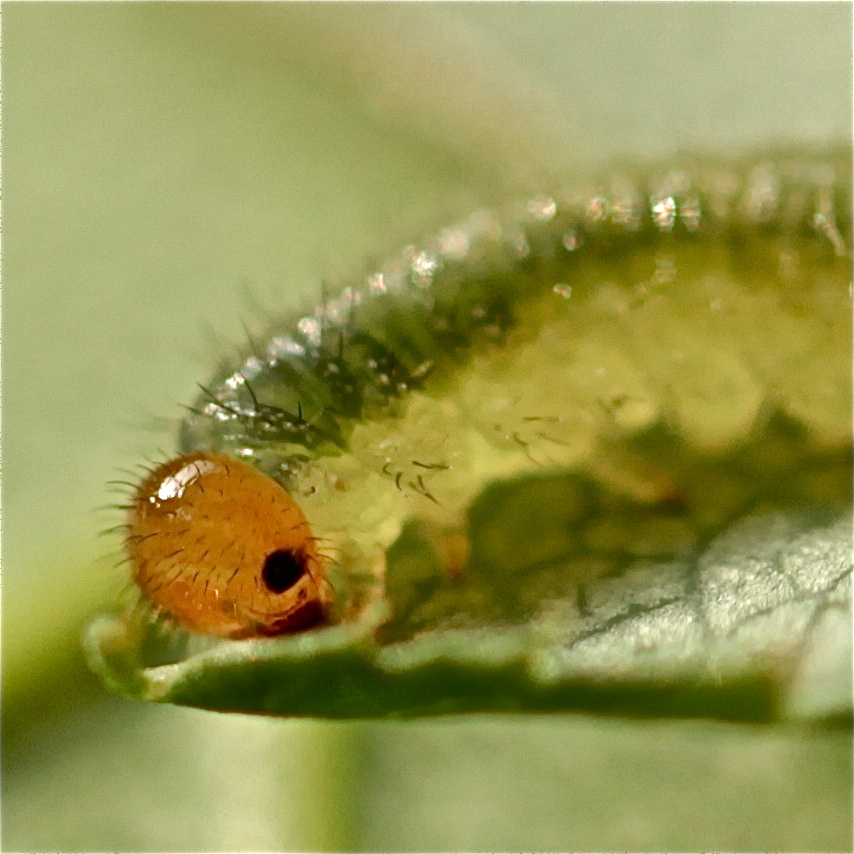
[282,570]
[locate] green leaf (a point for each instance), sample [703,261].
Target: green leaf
[753,625]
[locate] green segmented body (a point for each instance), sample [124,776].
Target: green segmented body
[699,300]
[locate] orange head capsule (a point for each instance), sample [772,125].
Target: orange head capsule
[223,549]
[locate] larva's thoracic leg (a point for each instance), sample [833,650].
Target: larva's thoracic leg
[451,544]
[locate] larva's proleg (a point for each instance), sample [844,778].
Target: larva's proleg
[630,332]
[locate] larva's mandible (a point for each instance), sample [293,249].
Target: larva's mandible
[551,335]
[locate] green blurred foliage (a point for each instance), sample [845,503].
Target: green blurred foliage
[164,160]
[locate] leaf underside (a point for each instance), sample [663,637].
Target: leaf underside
[750,621]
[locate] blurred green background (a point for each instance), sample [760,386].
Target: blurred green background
[169,166]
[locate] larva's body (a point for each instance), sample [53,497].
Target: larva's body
[554,336]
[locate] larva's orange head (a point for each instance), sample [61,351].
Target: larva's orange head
[223,549]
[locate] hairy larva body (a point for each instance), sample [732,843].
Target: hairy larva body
[698,303]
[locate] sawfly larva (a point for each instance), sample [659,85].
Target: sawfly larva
[698,302]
